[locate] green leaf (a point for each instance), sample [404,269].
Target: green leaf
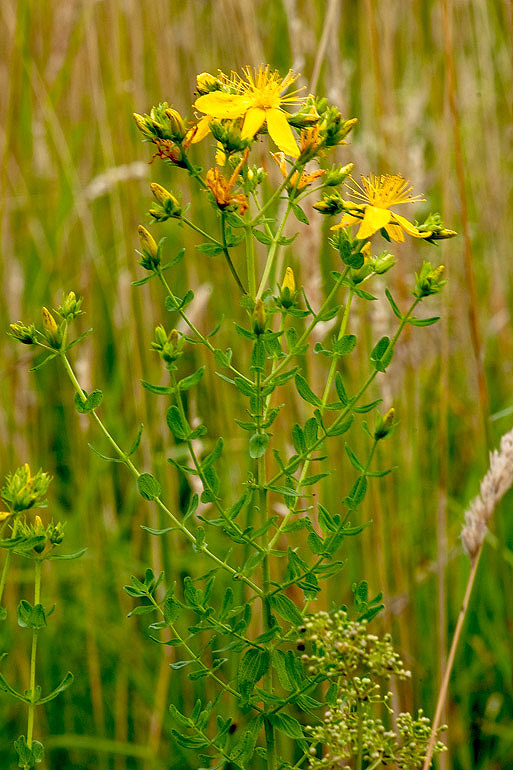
[186,300]
[354,460]
[286,609]
[305,392]
[258,356]
[3,613]
[28,757]
[64,684]
[136,441]
[42,363]
[263,237]
[243,751]
[341,427]
[223,358]
[287,724]
[210,249]
[258,444]
[299,214]
[244,387]
[423,321]
[315,543]
[172,609]
[176,424]
[394,307]
[357,493]
[91,402]
[148,486]
[67,556]
[214,454]
[191,380]
[31,617]
[252,667]
[158,390]
[341,391]
[344,345]
[382,354]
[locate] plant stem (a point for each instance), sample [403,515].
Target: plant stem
[7,561]
[442,695]
[272,251]
[178,524]
[35,631]
[227,256]
[266,570]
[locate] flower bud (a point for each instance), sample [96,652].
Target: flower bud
[205,82]
[168,346]
[176,124]
[170,205]
[150,254]
[142,124]
[24,334]
[429,280]
[384,424]
[384,263]
[336,176]
[50,327]
[330,204]
[288,289]
[22,491]
[70,307]
[259,317]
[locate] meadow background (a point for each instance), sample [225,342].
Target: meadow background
[431,84]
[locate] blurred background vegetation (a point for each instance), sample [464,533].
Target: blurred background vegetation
[431,84]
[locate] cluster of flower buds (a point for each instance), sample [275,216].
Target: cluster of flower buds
[24,334]
[429,280]
[168,346]
[22,490]
[167,206]
[70,307]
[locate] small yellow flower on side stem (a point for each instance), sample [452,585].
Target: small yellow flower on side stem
[50,326]
[221,188]
[378,194]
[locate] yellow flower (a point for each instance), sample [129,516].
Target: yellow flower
[295,183]
[259,100]
[378,194]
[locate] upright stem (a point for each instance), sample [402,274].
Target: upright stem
[35,631]
[442,695]
[7,561]
[266,570]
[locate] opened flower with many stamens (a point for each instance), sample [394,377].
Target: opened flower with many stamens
[378,194]
[259,100]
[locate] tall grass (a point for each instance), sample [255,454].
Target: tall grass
[74,181]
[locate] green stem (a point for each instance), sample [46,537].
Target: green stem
[272,251]
[274,196]
[250,262]
[7,561]
[342,415]
[32,680]
[206,342]
[228,258]
[311,326]
[200,231]
[266,569]
[178,524]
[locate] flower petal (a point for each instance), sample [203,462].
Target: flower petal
[281,133]
[373,220]
[347,219]
[408,227]
[200,130]
[253,121]
[395,232]
[219,104]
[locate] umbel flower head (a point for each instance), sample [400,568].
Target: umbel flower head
[257,100]
[378,194]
